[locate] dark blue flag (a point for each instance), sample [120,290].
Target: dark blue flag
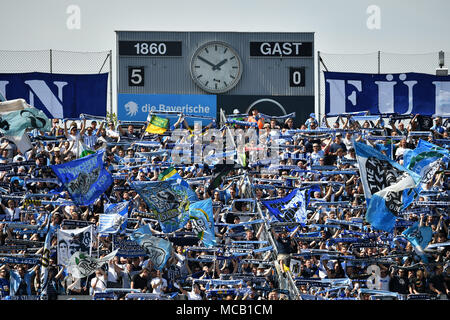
[85,179]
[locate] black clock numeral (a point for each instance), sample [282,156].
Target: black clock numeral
[225,84]
[206,83]
[206,49]
[232,57]
[199,76]
[232,76]
[226,49]
[234,67]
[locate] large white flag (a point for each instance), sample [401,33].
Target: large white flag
[82,265]
[71,241]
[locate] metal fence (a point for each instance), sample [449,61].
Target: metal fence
[374,62]
[58,61]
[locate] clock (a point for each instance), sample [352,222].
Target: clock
[216,67]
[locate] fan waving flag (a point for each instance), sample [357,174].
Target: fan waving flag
[114,219]
[167,200]
[291,208]
[157,125]
[388,186]
[420,237]
[85,179]
[158,250]
[201,216]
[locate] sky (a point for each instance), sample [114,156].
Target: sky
[414,26]
[345,26]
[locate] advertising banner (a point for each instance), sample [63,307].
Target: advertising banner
[136,107]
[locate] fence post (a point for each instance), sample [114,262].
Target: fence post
[51,61]
[318,87]
[110,83]
[379,61]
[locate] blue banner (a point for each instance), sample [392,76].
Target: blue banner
[85,179]
[58,95]
[168,200]
[405,93]
[135,107]
[388,186]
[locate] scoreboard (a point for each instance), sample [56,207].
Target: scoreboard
[199,73]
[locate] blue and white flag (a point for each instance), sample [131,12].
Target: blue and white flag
[16,122]
[114,219]
[291,208]
[419,237]
[85,179]
[202,219]
[46,258]
[424,160]
[167,200]
[158,249]
[388,186]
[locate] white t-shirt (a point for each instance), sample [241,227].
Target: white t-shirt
[100,286]
[163,284]
[193,296]
[384,283]
[12,214]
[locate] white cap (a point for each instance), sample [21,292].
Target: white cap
[235,111]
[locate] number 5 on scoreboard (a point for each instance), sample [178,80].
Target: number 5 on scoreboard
[296,77]
[136,76]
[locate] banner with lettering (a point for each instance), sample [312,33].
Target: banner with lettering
[58,95]
[402,93]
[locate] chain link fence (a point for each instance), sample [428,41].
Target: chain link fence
[58,61]
[374,62]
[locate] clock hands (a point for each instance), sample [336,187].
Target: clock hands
[206,61]
[217,66]
[214,66]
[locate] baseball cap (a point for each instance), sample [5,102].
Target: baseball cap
[235,111]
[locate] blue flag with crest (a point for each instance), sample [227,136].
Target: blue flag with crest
[85,179]
[388,186]
[425,160]
[167,200]
[158,249]
[201,215]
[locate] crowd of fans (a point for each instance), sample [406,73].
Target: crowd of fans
[291,263]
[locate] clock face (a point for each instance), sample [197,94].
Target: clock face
[216,67]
